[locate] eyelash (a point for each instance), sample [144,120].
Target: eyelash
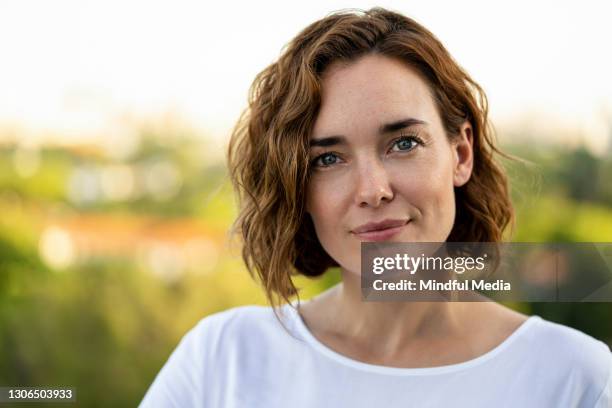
[411,137]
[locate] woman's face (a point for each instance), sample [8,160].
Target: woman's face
[380,156]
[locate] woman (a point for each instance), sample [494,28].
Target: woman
[365,129]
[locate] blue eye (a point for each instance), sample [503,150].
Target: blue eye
[325,160]
[406,143]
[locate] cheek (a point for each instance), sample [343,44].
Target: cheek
[324,202]
[324,199]
[429,186]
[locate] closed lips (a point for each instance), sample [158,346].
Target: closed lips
[379,226]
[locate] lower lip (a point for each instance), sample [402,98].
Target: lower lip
[380,235]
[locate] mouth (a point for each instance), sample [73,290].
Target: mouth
[381,234]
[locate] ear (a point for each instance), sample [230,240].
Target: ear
[463,152]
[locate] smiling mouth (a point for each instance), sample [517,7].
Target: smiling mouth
[381,234]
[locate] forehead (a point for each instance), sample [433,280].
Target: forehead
[369,91]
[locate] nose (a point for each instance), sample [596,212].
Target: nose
[373,186]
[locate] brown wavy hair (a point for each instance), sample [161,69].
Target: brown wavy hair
[269,147]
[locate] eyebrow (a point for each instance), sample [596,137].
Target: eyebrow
[385,128]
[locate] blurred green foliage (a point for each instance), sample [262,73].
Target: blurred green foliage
[105,322]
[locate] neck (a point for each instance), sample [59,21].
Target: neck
[387,326]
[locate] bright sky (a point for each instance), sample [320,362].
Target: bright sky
[75,67]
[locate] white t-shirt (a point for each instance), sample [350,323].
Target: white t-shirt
[243,357]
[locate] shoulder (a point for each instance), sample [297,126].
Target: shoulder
[236,321]
[579,347]
[223,333]
[238,328]
[210,351]
[583,361]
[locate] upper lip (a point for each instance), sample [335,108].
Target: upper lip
[377,226]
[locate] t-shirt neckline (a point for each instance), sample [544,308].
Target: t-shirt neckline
[380,369]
